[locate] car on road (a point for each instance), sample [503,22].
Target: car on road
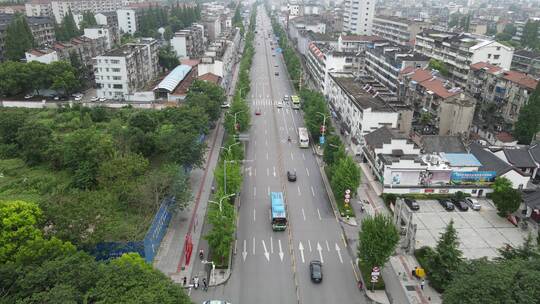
[279,105]
[215,302]
[291,176]
[273,55]
[461,205]
[473,204]
[102,99]
[412,204]
[258,112]
[276,73]
[286,98]
[315,271]
[447,204]
[78,98]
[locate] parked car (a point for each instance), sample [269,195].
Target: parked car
[473,204]
[276,73]
[215,302]
[315,270]
[461,205]
[102,99]
[291,176]
[412,204]
[447,204]
[94,99]
[258,112]
[279,104]
[28,96]
[286,98]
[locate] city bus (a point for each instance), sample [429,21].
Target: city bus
[303,138]
[279,215]
[295,102]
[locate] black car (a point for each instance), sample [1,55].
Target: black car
[291,176]
[447,204]
[315,270]
[461,205]
[412,204]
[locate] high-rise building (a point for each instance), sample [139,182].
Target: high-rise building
[358,16]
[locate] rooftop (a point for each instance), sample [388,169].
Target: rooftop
[173,79]
[527,54]
[519,158]
[360,97]
[397,19]
[490,162]
[535,152]
[462,160]
[383,135]
[521,79]
[210,78]
[490,68]
[433,83]
[361,38]
[438,143]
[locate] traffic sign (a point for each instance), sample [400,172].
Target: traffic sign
[376,269]
[374,279]
[348,191]
[347,201]
[375,273]
[347,196]
[321,140]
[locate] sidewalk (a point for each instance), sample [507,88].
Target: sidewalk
[171,256]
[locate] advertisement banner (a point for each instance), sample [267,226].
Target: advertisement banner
[473,177]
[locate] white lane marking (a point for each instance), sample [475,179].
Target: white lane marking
[265,132]
[255,172]
[280,251]
[254,215]
[268,190]
[339,253]
[319,213]
[254,191]
[307,171]
[253,245]
[301,248]
[271,245]
[303,214]
[254,142]
[303,156]
[244,253]
[266,254]
[274,171]
[292,157]
[327,246]
[299,193]
[312,191]
[309,245]
[319,249]
[266,142]
[267,171]
[266,155]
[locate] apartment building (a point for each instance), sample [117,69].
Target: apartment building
[212,25]
[527,62]
[128,20]
[323,58]
[357,43]
[386,61]
[450,108]
[220,56]
[189,43]
[85,48]
[61,8]
[358,16]
[110,36]
[123,71]
[38,8]
[361,105]
[508,90]
[42,29]
[459,51]
[401,31]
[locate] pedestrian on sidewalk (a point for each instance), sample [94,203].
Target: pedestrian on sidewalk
[205,285]
[422,284]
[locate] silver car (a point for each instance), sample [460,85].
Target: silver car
[473,204]
[215,302]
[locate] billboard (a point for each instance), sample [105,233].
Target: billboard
[473,177]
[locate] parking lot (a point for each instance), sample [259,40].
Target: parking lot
[481,233]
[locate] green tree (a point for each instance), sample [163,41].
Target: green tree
[66,82]
[243,115]
[212,107]
[18,38]
[88,20]
[213,91]
[38,76]
[221,235]
[439,66]
[529,37]
[167,58]
[167,181]
[122,174]
[334,150]
[425,118]
[144,120]
[446,259]
[231,175]
[528,123]
[130,277]
[67,28]
[378,238]
[10,123]
[18,226]
[505,198]
[345,175]
[34,139]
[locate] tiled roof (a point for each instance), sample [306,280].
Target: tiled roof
[190,62]
[438,143]
[535,152]
[505,137]
[210,78]
[519,158]
[361,38]
[490,162]
[521,78]
[437,87]
[383,135]
[421,75]
[490,68]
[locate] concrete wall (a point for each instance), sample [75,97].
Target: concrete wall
[493,49]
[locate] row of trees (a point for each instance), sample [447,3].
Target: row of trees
[18,77]
[292,61]
[171,19]
[35,268]
[228,173]
[529,38]
[18,38]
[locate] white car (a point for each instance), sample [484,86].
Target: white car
[78,98]
[473,204]
[279,105]
[94,99]
[28,96]
[102,99]
[77,95]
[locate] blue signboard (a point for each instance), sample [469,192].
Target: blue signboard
[278,50]
[321,140]
[473,177]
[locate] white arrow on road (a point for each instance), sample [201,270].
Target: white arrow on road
[319,249]
[271,245]
[301,248]
[280,251]
[244,253]
[339,253]
[274,171]
[266,254]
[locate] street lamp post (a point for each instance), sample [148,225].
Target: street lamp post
[225,164]
[212,279]
[220,204]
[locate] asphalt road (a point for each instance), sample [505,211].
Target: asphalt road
[273,267]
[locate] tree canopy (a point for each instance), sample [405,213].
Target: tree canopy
[505,198]
[378,238]
[528,123]
[18,38]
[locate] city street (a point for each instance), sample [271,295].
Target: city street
[268,266]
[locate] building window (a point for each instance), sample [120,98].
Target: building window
[489,56]
[115,70]
[117,77]
[496,56]
[117,86]
[115,61]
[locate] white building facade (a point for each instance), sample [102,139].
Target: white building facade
[127,20]
[358,16]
